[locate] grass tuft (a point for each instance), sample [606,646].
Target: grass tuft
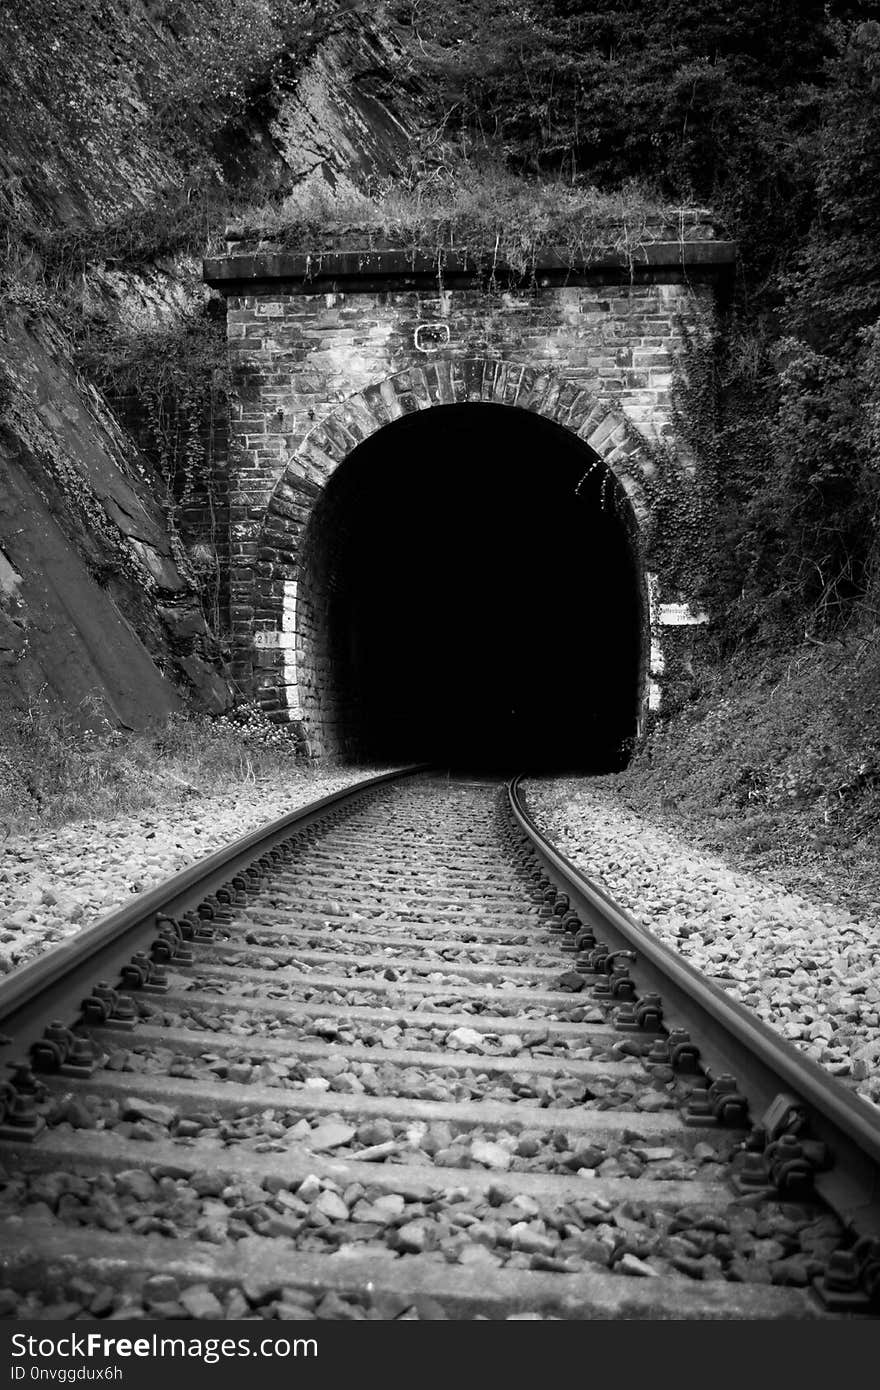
[776,764]
[479,208]
[52,771]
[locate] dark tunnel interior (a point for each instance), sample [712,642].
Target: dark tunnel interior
[482,598]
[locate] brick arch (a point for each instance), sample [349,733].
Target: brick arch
[455,382]
[285,627]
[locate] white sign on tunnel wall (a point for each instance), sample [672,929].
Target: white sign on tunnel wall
[679,615]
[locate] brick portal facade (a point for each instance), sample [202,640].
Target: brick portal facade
[327,350]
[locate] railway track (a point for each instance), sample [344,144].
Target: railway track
[392,1057]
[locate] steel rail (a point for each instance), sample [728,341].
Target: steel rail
[732,1039]
[55,984]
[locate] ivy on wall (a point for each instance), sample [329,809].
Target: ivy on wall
[170,384]
[175,377]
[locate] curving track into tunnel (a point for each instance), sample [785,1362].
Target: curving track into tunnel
[391,1056]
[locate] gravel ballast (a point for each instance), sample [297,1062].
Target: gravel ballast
[808,968]
[55,883]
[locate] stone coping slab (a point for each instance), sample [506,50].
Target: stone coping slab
[361,270]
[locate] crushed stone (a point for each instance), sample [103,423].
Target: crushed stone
[54,884]
[810,969]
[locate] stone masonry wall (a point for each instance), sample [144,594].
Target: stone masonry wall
[316,371]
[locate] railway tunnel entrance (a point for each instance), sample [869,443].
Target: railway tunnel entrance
[472,577]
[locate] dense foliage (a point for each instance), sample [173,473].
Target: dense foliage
[708,101]
[768,113]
